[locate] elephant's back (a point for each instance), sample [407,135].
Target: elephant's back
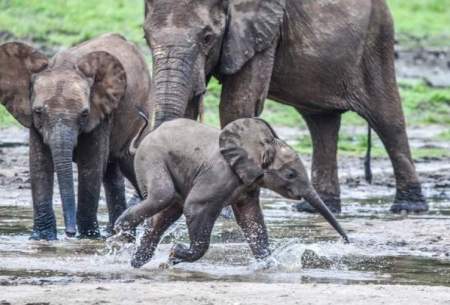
[183,135]
[184,146]
[183,139]
[322,46]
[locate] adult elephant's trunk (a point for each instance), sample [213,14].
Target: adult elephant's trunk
[314,200]
[173,82]
[62,141]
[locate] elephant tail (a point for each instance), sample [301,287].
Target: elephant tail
[137,139]
[367,159]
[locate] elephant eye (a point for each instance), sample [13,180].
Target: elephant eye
[208,38]
[85,113]
[291,175]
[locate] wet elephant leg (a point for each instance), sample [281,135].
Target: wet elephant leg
[381,107]
[250,219]
[389,123]
[156,227]
[324,130]
[92,155]
[200,219]
[114,185]
[161,194]
[41,172]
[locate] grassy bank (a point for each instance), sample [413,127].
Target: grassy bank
[59,23]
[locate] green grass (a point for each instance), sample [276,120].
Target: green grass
[421,18]
[68,22]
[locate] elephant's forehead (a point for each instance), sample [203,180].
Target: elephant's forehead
[183,13]
[60,86]
[285,155]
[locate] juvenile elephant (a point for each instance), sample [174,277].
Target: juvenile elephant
[79,106]
[185,167]
[322,57]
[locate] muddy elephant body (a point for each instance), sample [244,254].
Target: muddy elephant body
[79,106]
[321,57]
[185,167]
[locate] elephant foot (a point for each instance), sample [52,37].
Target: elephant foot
[410,201]
[178,251]
[45,234]
[334,205]
[90,234]
[142,256]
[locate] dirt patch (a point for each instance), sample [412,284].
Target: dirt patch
[189,293]
[431,65]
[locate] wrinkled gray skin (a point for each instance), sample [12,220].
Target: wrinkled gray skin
[185,167]
[79,106]
[322,57]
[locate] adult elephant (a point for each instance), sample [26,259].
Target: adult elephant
[79,106]
[322,57]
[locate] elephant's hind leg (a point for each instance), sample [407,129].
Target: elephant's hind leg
[154,230]
[388,121]
[114,184]
[161,194]
[383,110]
[324,130]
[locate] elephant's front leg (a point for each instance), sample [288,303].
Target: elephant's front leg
[200,219]
[92,156]
[41,172]
[250,218]
[324,130]
[114,185]
[244,93]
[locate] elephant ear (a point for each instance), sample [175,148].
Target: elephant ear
[253,26]
[247,145]
[18,62]
[109,84]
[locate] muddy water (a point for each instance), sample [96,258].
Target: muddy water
[384,248]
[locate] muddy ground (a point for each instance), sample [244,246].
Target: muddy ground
[225,294]
[401,259]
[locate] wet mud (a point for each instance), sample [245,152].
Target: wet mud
[384,248]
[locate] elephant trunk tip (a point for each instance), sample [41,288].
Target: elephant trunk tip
[314,199]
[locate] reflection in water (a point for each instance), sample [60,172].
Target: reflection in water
[384,249]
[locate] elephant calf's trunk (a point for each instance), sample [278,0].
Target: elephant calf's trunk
[314,199]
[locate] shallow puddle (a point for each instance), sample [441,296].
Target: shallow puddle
[384,248]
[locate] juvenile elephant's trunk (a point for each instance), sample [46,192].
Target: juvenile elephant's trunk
[173,82]
[313,198]
[62,141]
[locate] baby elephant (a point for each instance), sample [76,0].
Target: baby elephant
[184,167]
